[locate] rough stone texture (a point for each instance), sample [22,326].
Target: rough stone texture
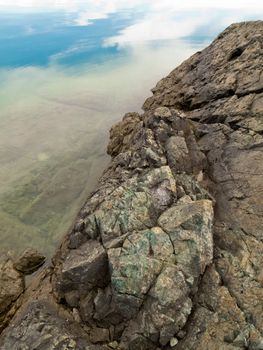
[220,90]
[12,281]
[153,271]
[43,328]
[168,251]
[29,262]
[84,269]
[11,286]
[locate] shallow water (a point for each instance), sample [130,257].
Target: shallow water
[62,86]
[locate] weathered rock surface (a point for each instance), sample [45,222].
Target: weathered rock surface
[44,328]
[30,261]
[11,286]
[12,281]
[221,90]
[168,251]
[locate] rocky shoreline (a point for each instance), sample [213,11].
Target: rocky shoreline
[167,253]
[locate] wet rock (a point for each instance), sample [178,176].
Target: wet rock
[30,261]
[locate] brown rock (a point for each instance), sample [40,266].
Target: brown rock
[30,261]
[11,284]
[99,335]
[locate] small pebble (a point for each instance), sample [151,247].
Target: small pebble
[173,342]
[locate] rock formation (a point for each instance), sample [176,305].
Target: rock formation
[12,280]
[167,253]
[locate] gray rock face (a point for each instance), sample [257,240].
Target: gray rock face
[167,252]
[85,268]
[226,107]
[148,241]
[119,277]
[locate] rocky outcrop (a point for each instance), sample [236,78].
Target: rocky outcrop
[167,252]
[140,245]
[221,90]
[11,287]
[12,280]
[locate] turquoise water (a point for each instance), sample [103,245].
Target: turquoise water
[64,82]
[41,40]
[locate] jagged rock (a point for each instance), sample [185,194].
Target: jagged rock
[132,206]
[84,268]
[186,249]
[11,286]
[178,154]
[30,261]
[44,328]
[189,226]
[163,112]
[121,133]
[218,72]
[150,261]
[226,107]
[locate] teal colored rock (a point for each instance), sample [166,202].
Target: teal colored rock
[133,206]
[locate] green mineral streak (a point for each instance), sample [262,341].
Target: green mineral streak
[133,275]
[199,223]
[118,284]
[141,247]
[151,236]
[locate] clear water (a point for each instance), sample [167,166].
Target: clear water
[62,86]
